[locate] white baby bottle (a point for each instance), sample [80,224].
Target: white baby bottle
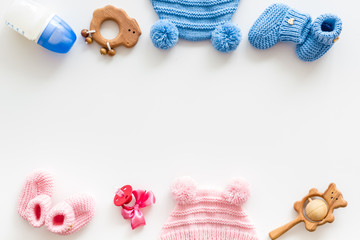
[37,23]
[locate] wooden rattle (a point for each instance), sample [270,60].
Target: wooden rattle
[129,30]
[315,209]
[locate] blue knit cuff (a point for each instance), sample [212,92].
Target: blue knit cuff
[295,27]
[327,28]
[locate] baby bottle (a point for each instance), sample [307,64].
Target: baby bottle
[37,23]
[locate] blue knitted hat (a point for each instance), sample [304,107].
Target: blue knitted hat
[195,20]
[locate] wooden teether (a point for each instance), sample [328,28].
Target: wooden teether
[129,30]
[319,208]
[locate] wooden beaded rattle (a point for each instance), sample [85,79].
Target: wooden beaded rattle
[129,30]
[315,209]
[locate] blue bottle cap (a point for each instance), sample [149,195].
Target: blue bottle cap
[57,36]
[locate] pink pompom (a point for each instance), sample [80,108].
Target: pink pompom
[237,192]
[184,190]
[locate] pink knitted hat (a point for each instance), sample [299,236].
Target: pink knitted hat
[70,215]
[207,214]
[35,198]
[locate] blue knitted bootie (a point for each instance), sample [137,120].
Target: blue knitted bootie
[325,31]
[279,23]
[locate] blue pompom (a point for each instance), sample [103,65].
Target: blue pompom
[226,38]
[164,34]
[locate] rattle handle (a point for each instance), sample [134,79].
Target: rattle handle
[283,229]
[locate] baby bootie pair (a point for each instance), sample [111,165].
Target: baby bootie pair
[279,23]
[64,218]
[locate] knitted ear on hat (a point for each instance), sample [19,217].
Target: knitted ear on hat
[184,190]
[237,192]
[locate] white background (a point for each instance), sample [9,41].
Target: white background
[147,116]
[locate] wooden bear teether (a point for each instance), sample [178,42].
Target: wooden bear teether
[319,208]
[129,30]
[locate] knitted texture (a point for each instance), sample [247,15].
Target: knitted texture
[196,19]
[325,30]
[279,23]
[70,215]
[35,198]
[164,34]
[226,38]
[202,214]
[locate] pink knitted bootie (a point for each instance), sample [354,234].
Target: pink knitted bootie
[35,198]
[70,215]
